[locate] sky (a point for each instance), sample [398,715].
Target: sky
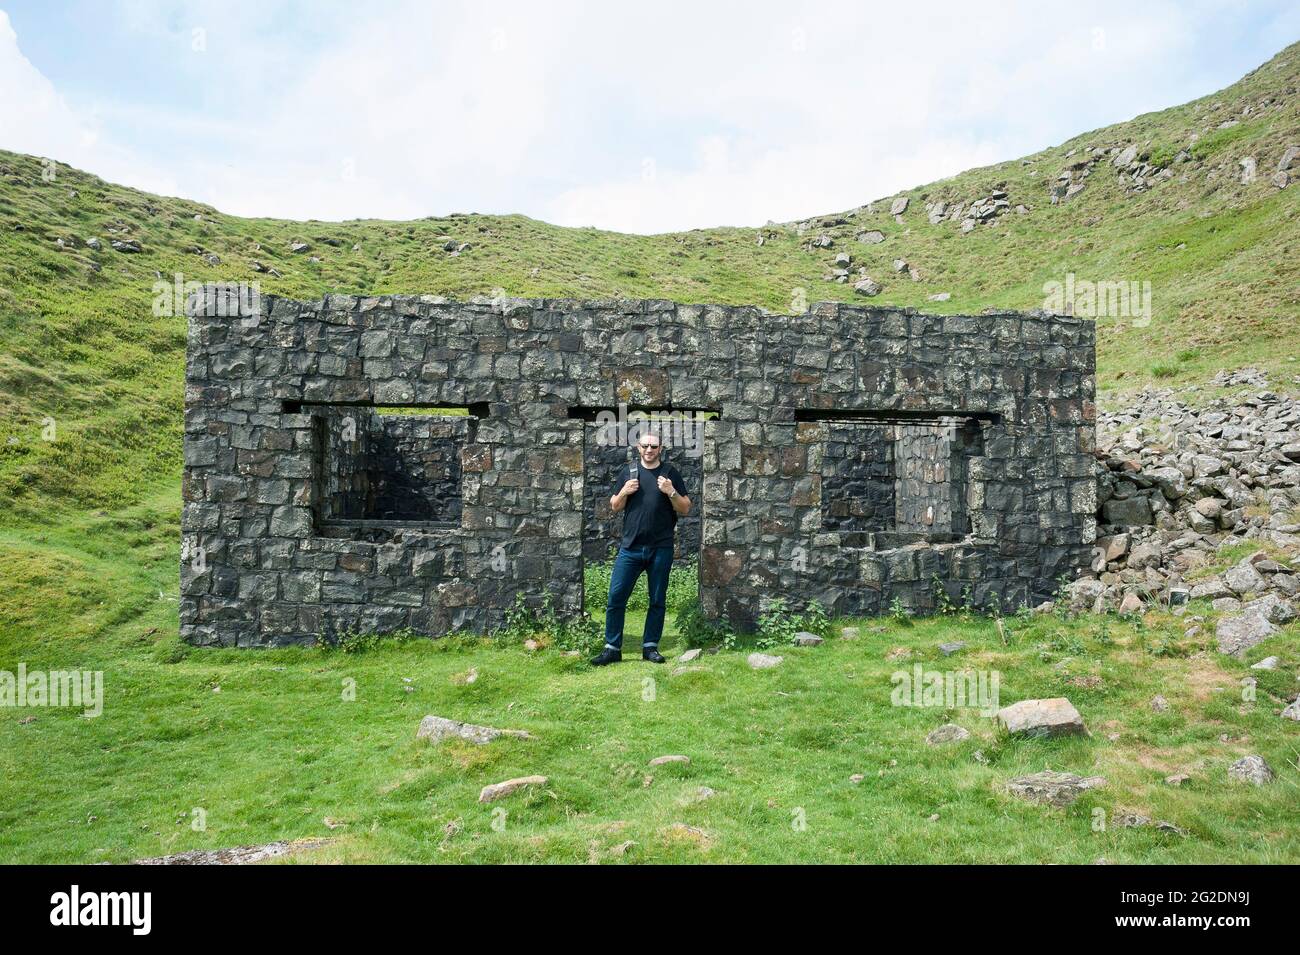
[636,117]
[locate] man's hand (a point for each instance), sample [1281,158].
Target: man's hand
[619,500]
[666,485]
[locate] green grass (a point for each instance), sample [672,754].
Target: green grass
[265,744]
[91,396]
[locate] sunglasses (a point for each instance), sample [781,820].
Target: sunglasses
[647,447]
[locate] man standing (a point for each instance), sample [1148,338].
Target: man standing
[651,500]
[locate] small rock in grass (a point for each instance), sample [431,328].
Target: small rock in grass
[1159,703]
[948,733]
[502,789]
[764,661]
[1177,779]
[1268,663]
[1053,788]
[805,638]
[689,655]
[437,728]
[1251,769]
[948,649]
[661,760]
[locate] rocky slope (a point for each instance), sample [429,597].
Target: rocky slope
[1182,490]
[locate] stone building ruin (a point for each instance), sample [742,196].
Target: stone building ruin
[409,462]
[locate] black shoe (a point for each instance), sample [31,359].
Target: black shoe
[607,656]
[652,654]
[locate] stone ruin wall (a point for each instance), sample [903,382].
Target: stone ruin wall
[854,456]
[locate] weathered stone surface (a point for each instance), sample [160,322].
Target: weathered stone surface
[661,760]
[1243,578]
[435,729]
[1127,512]
[985,421]
[1237,634]
[1053,788]
[1114,546]
[948,733]
[502,789]
[690,655]
[1050,717]
[1272,608]
[1251,769]
[805,639]
[763,661]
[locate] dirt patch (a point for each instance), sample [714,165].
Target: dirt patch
[1203,676]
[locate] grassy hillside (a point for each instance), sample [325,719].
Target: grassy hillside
[808,762]
[79,343]
[91,384]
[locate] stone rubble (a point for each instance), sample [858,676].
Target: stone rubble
[1178,485]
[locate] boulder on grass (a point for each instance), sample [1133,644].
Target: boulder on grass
[1238,633]
[438,728]
[1251,769]
[499,790]
[1053,788]
[1039,718]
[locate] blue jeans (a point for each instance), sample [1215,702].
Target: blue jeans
[631,562]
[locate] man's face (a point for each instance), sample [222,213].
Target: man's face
[649,448]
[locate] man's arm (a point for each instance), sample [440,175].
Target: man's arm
[675,491]
[619,500]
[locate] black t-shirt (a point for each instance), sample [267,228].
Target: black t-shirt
[648,517]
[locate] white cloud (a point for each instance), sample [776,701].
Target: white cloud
[33,117]
[639,118]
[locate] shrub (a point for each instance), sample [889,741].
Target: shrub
[1162,156]
[695,629]
[523,622]
[358,642]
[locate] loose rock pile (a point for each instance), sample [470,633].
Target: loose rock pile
[982,209]
[1177,486]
